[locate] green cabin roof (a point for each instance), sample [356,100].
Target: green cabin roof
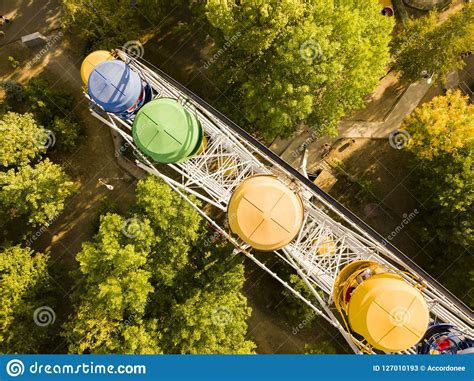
[165,131]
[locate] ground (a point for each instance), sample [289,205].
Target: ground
[94,157]
[368,164]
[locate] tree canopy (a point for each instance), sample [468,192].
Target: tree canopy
[114,294]
[442,147]
[290,63]
[107,23]
[23,281]
[22,139]
[443,126]
[425,45]
[104,22]
[152,285]
[37,192]
[196,278]
[174,222]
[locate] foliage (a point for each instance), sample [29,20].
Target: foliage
[66,133]
[322,348]
[114,295]
[105,23]
[152,284]
[21,138]
[426,45]
[210,322]
[4,108]
[291,62]
[442,146]
[38,192]
[14,91]
[206,312]
[293,307]
[53,109]
[442,143]
[108,24]
[46,102]
[197,281]
[444,126]
[50,107]
[174,222]
[13,62]
[23,280]
[137,277]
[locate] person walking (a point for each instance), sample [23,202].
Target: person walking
[4,20]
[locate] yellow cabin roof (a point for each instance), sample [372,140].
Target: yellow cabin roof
[388,312]
[91,61]
[265,213]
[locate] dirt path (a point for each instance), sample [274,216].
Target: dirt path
[29,17]
[93,158]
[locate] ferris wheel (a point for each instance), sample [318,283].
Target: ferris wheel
[378,299]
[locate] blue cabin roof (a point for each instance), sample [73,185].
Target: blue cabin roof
[114,86]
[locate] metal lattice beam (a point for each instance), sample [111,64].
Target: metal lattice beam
[323,245]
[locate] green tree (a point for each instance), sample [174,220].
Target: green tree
[115,292]
[290,63]
[206,310]
[157,283]
[442,147]
[322,348]
[444,126]
[442,144]
[23,281]
[197,280]
[210,322]
[174,222]
[433,47]
[110,23]
[66,133]
[37,192]
[22,139]
[105,22]
[47,103]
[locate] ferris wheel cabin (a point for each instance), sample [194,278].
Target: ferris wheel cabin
[117,88]
[378,304]
[91,61]
[441,339]
[381,306]
[265,213]
[168,133]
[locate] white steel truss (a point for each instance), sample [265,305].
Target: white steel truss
[328,240]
